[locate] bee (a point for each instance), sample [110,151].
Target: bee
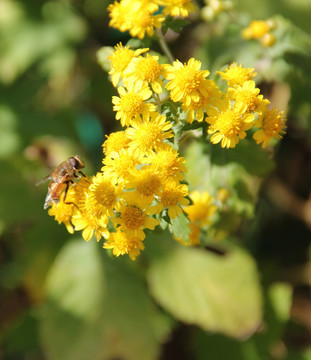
[61,178]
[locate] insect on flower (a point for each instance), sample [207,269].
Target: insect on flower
[61,178]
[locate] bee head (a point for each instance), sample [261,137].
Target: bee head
[76,162]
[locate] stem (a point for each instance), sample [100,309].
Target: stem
[157,98]
[164,46]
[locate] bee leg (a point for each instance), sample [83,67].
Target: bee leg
[78,176]
[65,194]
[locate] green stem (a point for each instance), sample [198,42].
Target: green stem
[164,46]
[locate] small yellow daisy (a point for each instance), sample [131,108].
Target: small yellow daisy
[120,166]
[131,104]
[122,244]
[146,182]
[187,82]
[150,134]
[146,71]
[236,74]
[120,60]
[115,142]
[228,124]
[104,192]
[167,163]
[202,208]
[134,216]
[247,94]
[172,198]
[271,124]
[180,8]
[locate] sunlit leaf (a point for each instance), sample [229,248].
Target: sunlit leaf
[218,293]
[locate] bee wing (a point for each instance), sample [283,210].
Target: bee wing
[48,201]
[48,177]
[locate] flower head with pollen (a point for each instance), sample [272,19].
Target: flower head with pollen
[167,163]
[247,94]
[123,244]
[115,142]
[150,134]
[131,105]
[202,209]
[187,82]
[91,219]
[134,216]
[135,16]
[271,124]
[146,71]
[120,166]
[177,7]
[147,183]
[172,198]
[104,192]
[63,212]
[196,108]
[228,124]
[120,60]
[236,74]
[143,21]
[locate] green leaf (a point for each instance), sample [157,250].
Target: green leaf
[248,154]
[179,228]
[98,309]
[218,293]
[176,24]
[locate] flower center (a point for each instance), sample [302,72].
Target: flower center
[105,194]
[229,123]
[188,79]
[170,198]
[121,59]
[133,217]
[149,185]
[272,124]
[148,69]
[131,104]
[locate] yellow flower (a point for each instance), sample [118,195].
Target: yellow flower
[228,124]
[146,71]
[196,108]
[123,244]
[177,7]
[135,16]
[63,212]
[104,192]
[202,209]
[272,125]
[172,197]
[187,82]
[260,29]
[167,163]
[115,142]
[134,216]
[131,104]
[146,182]
[120,166]
[150,134]
[236,75]
[247,94]
[91,217]
[256,29]
[120,60]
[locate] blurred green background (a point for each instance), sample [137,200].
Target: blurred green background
[63,298]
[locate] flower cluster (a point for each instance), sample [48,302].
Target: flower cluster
[141,180]
[141,183]
[260,30]
[142,17]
